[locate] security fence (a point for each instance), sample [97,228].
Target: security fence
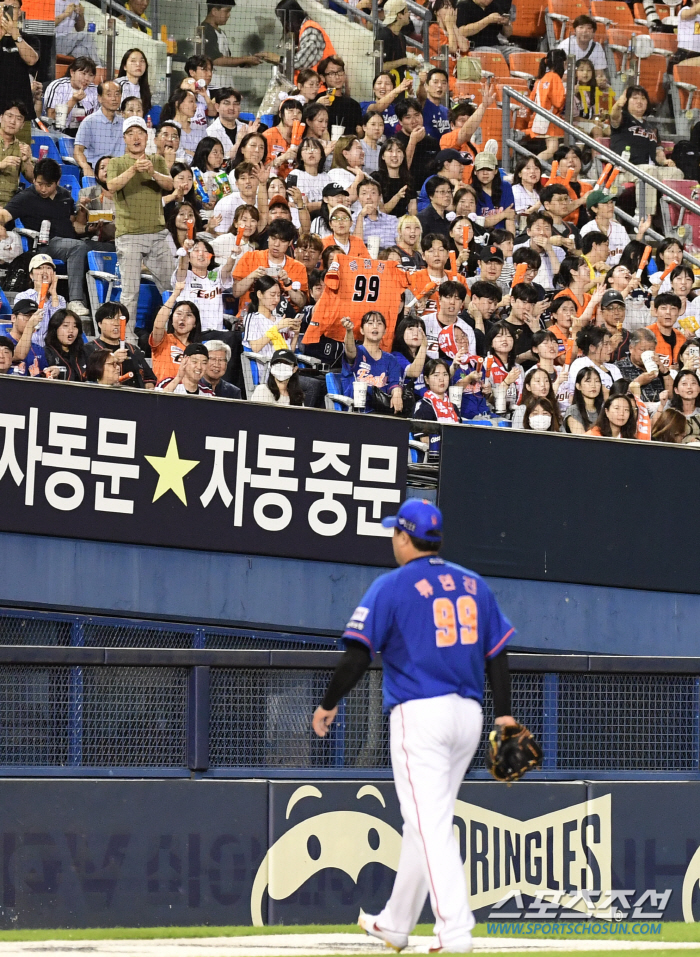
[88,696]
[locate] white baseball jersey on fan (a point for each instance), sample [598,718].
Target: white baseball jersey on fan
[434,623]
[206,293]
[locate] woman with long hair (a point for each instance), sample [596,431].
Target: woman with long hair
[410,348]
[435,405]
[246,218]
[592,103]
[464,259]
[183,181]
[536,385]
[595,343]
[176,325]
[386,90]
[178,225]
[573,282]
[394,179]
[686,399]
[586,402]
[540,415]
[252,149]
[527,185]
[374,132]
[346,168]
[263,330]
[181,107]
[209,155]
[133,77]
[669,427]
[494,195]
[64,349]
[617,418]
[548,92]
[669,251]
[499,366]
[283,386]
[315,119]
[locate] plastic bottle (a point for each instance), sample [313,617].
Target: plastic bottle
[44,232]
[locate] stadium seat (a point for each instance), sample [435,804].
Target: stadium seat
[62,64]
[492,128]
[102,281]
[525,65]
[254,369]
[65,145]
[612,13]
[559,16]
[684,95]
[5,307]
[246,117]
[664,42]
[494,63]
[679,221]
[334,399]
[38,141]
[652,70]
[88,181]
[468,90]
[69,173]
[529,19]
[417,451]
[30,239]
[148,305]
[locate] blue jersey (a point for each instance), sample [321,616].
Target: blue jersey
[434,623]
[436,119]
[383,373]
[391,120]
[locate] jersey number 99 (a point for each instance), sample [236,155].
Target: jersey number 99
[446,620]
[362,286]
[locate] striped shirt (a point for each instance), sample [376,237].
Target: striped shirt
[60,91]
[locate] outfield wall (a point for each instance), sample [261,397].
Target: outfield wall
[193,852]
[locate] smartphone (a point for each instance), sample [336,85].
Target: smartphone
[62,372]
[8,11]
[292,179]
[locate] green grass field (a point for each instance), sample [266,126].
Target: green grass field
[671,932]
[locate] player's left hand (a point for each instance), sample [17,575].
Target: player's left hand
[322,720]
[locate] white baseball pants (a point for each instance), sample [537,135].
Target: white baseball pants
[432,743]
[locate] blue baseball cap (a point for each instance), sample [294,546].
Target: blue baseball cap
[417,517]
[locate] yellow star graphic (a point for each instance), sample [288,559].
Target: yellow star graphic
[171,471]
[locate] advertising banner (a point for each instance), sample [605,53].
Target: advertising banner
[185,853]
[189,472]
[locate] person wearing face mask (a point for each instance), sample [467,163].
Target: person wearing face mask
[204,281]
[191,368]
[283,386]
[537,386]
[540,416]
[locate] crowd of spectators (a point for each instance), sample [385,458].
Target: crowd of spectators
[379,240]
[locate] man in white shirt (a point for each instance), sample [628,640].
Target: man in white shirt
[226,127]
[251,190]
[602,207]
[582,45]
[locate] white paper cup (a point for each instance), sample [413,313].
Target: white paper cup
[372,245]
[455,393]
[359,394]
[337,132]
[499,396]
[649,362]
[61,115]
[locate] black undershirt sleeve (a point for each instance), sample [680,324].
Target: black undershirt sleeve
[499,678]
[351,667]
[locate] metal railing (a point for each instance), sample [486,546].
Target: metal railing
[373,18]
[76,707]
[509,143]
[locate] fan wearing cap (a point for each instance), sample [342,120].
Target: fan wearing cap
[340,220]
[190,371]
[449,165]
[396,17]
[7,351]
[333,195]
[42,273]
[25,319]
[437,626]
[491,260]
[601,206]
[283,386]
[138,184]
[494,195]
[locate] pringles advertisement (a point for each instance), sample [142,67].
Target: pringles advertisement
[100,853]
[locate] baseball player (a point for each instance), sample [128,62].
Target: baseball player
[435,624]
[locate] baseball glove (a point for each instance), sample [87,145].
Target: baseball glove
[512,751]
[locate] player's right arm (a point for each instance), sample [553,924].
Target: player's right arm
[364,635]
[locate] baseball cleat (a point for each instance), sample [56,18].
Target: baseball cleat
[368,922]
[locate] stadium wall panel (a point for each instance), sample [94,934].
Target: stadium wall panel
[193,852]
[317,597]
